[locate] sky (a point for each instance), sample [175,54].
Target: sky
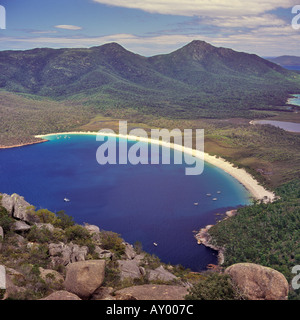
[150,27]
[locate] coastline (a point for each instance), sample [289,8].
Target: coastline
[255,189]
[23,144]
[203,237]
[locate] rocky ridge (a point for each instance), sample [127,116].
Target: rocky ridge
[43,256]
[74,270]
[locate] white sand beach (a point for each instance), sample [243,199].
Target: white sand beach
[256,190]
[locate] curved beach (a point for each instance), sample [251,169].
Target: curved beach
[256,190]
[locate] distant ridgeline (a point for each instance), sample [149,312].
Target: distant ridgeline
[198,80]
[288,62]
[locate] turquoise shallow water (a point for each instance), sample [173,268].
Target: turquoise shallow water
[295,100]
[147,203]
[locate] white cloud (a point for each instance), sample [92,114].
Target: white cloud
[202,7]
[244,21]
[68,27]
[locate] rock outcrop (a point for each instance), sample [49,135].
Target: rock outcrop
[203,237]
[51,276]
[129,269]
[84,277]
[162,274]
[21,226]
[129,251]
[63,254]
[13,277]
[256,282]
[152,292]
[102,253]
[61,295]
[94,231]
[7,202]
[18,208]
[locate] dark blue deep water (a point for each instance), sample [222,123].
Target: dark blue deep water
[146,203]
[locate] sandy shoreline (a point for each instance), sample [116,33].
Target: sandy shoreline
[256,190]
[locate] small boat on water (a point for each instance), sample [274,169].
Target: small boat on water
[196,203]
[215,199]
[219,192]
[155,244]
[66,200]
[208,194]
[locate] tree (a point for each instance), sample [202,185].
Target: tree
[63,220]
[46,216]
[214,286]
[112,241]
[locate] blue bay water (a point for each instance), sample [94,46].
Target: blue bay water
[146,203]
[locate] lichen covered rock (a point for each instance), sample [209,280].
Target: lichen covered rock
[257,282]
[84,277]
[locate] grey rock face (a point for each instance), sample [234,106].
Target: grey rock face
[92,228]
[129,269]
[129,251]
[152,292]
[63,254]
[7,203]
[21,226]
[103,254]
[160,273]
[18,208]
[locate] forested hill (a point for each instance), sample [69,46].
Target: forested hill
[198,80]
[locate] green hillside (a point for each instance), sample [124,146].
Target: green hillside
[196,81]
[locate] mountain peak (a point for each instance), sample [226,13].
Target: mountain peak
[110,46]
[113,45]
[198,44]
[197,47]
